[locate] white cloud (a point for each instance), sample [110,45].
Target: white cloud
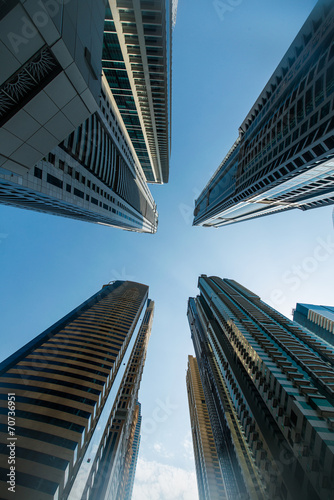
[161,450]
[156,481]
[188,448]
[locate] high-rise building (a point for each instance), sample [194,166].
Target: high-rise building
[134,453]
[84,140]
[75,391]
[317,319]
[278,379]
[50,75]
[283,157]
[209,479]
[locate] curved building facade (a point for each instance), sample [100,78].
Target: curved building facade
[75,388]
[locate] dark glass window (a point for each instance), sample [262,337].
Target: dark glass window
[68,188]
[292,118]
[300,110]
[321,63]
[61,165]
[54,181]
[308,101]
[330,80]
[94,200]
[52,158]
[319,91]
[325,110]
[313,119]
[79,193]
[38,173]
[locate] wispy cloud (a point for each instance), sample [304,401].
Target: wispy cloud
[157,481]
[161,450]
[187,444]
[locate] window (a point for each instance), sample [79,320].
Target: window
[54,181]
[61,165]
[52,158]
[292,118]
[78,193]
[293,418]
[319,91]
[324,110]
[68,188]
[308,101]
[330,80]
[38,173]
[300,110]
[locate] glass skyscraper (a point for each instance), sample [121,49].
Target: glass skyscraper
[283,157]
[75,390]
[317,319]
[269,389]
[85,109]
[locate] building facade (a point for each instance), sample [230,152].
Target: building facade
[280,380]
[317,319]
[283,157]
[134,453]
[90,155]
[209,479]
[75,390]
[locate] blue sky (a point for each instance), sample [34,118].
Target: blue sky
[221,62]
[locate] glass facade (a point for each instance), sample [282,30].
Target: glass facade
[286,143]
[280,380]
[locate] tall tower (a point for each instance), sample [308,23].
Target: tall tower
[280,380]
[209,479]
[85,121]
[75,389]
[317,319]
[283,157]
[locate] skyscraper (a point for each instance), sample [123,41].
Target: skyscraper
[89,161]
[283,157]
[133,455]
[209,479]
[279,380]
[75,390]
[317,319]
